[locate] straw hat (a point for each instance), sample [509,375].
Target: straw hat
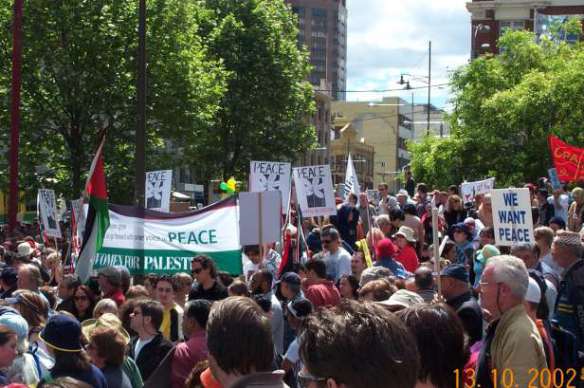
[106,320]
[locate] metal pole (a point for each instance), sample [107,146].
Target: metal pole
[15,113]
[429,83]
[141,122]
[413,119]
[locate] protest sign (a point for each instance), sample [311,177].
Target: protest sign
[568,160]
[271,176]
[351,181]
[314,190]
[158,186]
[259,217]
[469,190]
[146,241]
[77,225]
[554,180]
[512,218]
[48,210]
[373,196]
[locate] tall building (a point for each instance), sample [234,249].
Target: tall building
[489,18]
[383,125]
[322,122]
[323,30]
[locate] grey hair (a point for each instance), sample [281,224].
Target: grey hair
[373,273]
[105,306]
[512,272]
[382,220]
[522,248]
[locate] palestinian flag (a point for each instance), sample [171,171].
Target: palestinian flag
[97,220]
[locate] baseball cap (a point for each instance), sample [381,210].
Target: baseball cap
[290,278]
[455,271]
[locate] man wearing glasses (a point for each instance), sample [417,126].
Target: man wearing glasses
[337,259]
[208,285]
[386,201]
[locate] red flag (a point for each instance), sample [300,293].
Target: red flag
[568,160]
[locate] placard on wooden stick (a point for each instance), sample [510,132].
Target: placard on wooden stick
[259,217]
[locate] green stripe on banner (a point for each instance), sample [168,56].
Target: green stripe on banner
[140,262]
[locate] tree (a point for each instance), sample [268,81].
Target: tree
[505,106]
[264,110]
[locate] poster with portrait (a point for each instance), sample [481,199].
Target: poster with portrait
[48,210]
[158,186]
[271,176]
[314,190]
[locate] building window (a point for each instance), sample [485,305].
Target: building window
[319,12]
[513,25]
[298,11]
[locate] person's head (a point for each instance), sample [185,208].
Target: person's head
[455,203]
[438,331]
[297,311]
[533,298]
[137,291]
[503,284]
[373,273]
[578,195]
[105,306]
[13,320]
[8,346]
[261,282]
[422,191]
[31,306]
[363,200]
[557,223]
[150,283]
[239,339]
[238,288]
[525,252]
[146,317]
[385,249]
[461,233]
[487,236]
[352,199]
[165,291]
[125,278]
[449,251]
[29,277]
[410,209]
[358,263]
[204,269]
[84,300]
[62,335]
[396,217]
[405,236]
[67,286]
[454,279]
[182,282]
[376,291]
[290,284]
[107,347]
[8,278]
[452,190]
[541,196]
[253,253]
[383,189]
[349,287]
[424,279]
[330,239]
[566,248]
[110,280]
[195,317]
[316,269]
[332,339]
[383,223]
[544,237]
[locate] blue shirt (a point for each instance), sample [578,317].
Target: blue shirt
[396,268]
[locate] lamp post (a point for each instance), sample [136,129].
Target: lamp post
[140,168]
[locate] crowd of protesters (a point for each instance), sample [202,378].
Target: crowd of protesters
[354,300]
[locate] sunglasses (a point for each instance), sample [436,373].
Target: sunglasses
[80,298]
[197,270]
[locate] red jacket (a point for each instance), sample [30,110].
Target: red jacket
[408,258]
[322,293]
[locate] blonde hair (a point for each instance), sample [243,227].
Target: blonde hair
[578,194]
[105,306]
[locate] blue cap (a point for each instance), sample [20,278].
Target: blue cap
[456,271]
[290,278]
[62,333]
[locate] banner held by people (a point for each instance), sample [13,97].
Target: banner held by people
[351,180]
[146,241]
[568,160]
[158,187]
[48,212]
[271,176]
[469,190]
[512,217]
[314,190]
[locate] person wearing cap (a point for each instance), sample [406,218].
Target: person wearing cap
[110,284]
[8,281]
[149,348]
[567,251]
[533,299]
[405,240]
[194,349]
[456,290]
[24,253]
[462,236]
[512,341]
[385,251]
[106,349]
[401,299]
[62,335]
[296,313]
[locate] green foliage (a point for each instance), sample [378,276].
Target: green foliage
[505,106]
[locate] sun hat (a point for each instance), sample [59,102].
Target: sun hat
[385,248]
[12,319]
[105,320]
[403,298]
[24,250]
[406,232]
[533,294]
[461,226]
[62,333]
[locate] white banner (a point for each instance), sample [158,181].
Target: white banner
[152,242]
[158,186]
[469,190]
[351,180]
[314,190]
[270,176]
[48,209]
[512,218]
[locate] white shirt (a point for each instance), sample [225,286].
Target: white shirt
[140,345]
[560,209]
[338,264]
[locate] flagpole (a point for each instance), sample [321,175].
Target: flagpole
[140,168]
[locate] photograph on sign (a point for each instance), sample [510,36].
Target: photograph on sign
[512,219]
[158,187]
[271,176]
[314,190]
[48,210]
[469,190]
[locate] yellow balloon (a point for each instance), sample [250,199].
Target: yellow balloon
[231,183]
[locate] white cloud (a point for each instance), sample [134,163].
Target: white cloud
[389,37]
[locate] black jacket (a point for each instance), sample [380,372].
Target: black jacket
[471,315]
[151,354]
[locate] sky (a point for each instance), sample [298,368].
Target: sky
[388,37]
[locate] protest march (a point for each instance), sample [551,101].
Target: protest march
[289,283]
